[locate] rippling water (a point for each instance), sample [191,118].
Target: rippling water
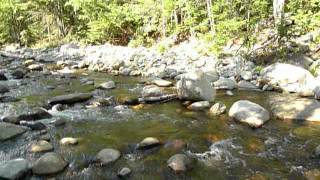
[224,149]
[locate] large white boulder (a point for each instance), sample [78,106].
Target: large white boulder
[250,113]
[195,86]
[290,78]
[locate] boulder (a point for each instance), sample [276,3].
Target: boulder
[217,109]
[179,163]
[151,91]
[295,108]
[250,113]
[107,156]
[290,78]
[195,86]
[8,131]
[41,146]
[14,169]
[148,143]
[107,85]
[198,106]
[225,83]
[70,98]
[49,163]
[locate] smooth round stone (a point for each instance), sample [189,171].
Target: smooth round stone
[41,146]
[148,142]
[162,83]
[229,93]
[107,156]
[69,141]
[49,163]
[179,163]
[124,172]
[14,169]
[35,67]
[198,106]
[217,109]
[107,85]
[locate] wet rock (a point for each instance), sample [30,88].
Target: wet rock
[124,172]
[295,108]
[217,109]
[3,89]
[148,143]
[69,141]
[41,146]
[32,115]
[35,67]
[162,83]
[45,137]
[198,106]
[195,86]
[250,113]
[19,74]
[70,98]
[247,85]
[100,102]
[179,163]
[14,169]
[57,107]
[49,163]
[3,77]
[8,131]
[225,83]
[6,99]
[108,85]
[151,91]
[130,101]
[107,156]
[229,93]
[28,62]
[58,122]
[34,125]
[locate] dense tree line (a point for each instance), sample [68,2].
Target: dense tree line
[142,22]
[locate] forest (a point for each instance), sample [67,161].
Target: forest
[135,23]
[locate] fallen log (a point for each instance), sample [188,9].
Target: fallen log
[158,99]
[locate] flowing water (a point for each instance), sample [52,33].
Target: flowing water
[223,148]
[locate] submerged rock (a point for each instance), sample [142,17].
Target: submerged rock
[195,86]
[124,172]
[14,169]
[8,131]
[31,115]
[108,85]
[148,143]
[179,163]
[217,109]
[107,156]
[70,98]
[250,113]
[49,163]
[295,108]
[198,106]
[41,146]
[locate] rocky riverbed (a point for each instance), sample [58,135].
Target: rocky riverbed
[108,112]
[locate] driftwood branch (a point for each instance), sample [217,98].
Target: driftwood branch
[164,98]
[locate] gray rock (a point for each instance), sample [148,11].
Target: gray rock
[57,107]
[107,156]
[247,85]
[49,163]
[250,113]
[229,93]
[70,98]
[19,74]
[316,92]
[225,83]
[31,115]
[108,85]
[162,83]
[148,143]
[124,172]
[217,109]
[246,75]
[3,89]
[37,126]
[8,131]
[212,76]
[317,151]
[58,122]
[151,91]
[195,86]
[179,163]
[35,67]
[198,106]
[41,146]
[295,108]
[14,169]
